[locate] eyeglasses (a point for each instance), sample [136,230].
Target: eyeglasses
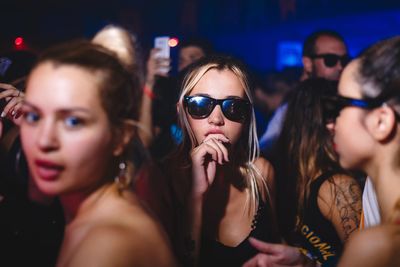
[333,105]
[234,109]
[330,60]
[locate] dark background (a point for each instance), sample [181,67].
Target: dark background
[267,34]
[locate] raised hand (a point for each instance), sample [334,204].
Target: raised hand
[205,157]
[14,98]
[156,66]
[277,255]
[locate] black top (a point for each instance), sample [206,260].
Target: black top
[173,194]
[214,253]
[317,236]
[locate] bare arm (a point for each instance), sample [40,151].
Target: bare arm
[340,202]
[373,247]
[146,134]
[146,117]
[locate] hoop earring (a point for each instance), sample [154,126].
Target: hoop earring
[121,179]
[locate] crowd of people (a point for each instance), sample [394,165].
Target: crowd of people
[108,160]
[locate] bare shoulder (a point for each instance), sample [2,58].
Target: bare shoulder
[376,246]
[120,232]
[266,169]
[122,244]
[268,174]
[342,181]
[341,184]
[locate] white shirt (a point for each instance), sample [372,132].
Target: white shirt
[370,205]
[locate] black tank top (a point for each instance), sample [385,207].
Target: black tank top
[318,238]
[214,253]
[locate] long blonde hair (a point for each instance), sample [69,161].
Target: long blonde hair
[248,144]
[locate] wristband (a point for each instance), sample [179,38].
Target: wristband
[148,92]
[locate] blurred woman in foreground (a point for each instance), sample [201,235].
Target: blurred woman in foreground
[79,121]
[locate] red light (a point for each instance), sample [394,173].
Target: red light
[19,41]
[173,42]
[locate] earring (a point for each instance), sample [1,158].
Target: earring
[121,179]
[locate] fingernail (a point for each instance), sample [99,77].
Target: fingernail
[13,113]
[3,114]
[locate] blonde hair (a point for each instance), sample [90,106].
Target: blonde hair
[253,177]
[125,46]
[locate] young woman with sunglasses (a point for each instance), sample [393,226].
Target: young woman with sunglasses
[367,137]
[222,191]
[319,204]
[77,133]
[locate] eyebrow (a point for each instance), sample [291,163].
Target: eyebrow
[64,110]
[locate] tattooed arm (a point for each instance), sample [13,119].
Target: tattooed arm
[340,202]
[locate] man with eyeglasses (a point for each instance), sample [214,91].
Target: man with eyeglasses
[324,56]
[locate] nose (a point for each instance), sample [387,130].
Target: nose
[339,66]
[47,139]
[216,117]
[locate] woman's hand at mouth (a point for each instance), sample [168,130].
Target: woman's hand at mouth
[205,157]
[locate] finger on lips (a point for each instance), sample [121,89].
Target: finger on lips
[220,149]
[218,137]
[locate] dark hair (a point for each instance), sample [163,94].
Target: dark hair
[118,88]
[379,72]
[199,42]
[305,148]
[311,40]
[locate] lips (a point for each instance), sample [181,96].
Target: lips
[214,131]
[48,170]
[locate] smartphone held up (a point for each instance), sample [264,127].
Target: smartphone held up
[161,43]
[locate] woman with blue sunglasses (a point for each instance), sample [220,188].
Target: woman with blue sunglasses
[222,191]
[319,204]
[367,137]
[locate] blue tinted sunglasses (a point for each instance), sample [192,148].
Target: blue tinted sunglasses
[333,105]
[234,109]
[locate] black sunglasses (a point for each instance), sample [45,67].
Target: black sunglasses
[234,109]
[330,60]
[333,105]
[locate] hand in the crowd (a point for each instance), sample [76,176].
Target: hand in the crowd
[277,255]
[14,99]
[156,66]
[205,157]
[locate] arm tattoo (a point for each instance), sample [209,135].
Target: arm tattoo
[348,203]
